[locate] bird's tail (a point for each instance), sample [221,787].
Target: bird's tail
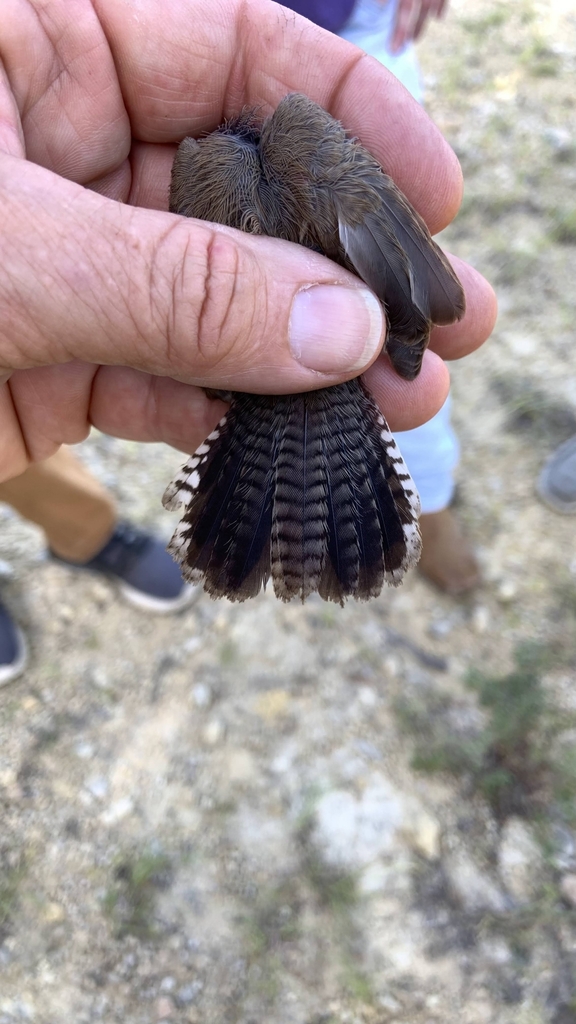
[310,489]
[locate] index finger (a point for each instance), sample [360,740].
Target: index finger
[184,67]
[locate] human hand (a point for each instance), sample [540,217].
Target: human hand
[411,18]
[112,307]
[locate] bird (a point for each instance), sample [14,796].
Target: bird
[310,489]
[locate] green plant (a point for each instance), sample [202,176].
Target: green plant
[532,410]
[130,902]
[563,226]
[495,18]
[273,919]
[565,592]
[336,889]
[540,59]
[10,877]
[513,757]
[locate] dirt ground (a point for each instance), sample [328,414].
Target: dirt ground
[218,817]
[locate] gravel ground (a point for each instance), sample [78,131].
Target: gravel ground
[217,817]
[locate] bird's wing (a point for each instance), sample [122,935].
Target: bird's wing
[392,225]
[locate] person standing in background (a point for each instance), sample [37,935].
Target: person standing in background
[386,30]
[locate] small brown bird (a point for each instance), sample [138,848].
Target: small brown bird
[309,489]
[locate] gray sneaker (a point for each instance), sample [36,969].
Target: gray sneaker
[557,481]
[13,649]
[147,575]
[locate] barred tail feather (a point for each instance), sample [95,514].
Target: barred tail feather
[374,534]
[299,532]
[309,489]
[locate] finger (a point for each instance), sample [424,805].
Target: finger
[143,180]
[466,335]
[61,76]
[263,53]
[133,405]
[89,279]
[92,280]
[402,24]
[103,76]
[420,23]
[14,456]
[55,405]
[51,404]
[408,404]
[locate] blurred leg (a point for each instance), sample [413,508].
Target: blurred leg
[80,521]
[61,496]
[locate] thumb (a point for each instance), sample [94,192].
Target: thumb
[91,279]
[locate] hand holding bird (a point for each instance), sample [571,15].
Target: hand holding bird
[309,489]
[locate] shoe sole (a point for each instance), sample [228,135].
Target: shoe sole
[159,605]
[8,673]
[543,490]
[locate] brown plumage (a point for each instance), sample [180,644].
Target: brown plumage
[309,489]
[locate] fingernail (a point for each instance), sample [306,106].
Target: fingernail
[335,329]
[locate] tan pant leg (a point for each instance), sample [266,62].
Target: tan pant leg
[75,511]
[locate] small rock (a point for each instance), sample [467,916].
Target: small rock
[202,695]
[482,1012]
[6,570]
[101,593]
[388,1002]
[65,613]
[423,835]
[272,704]
[188,993]
[29,703]
[495,950]
[473,888]
[368,750]
[99,677]
[164,1008]
[507,592]
[352,832]
[441,627]
[568,889]
[97,787]
[480,619]
[194,643]
[239,766]
[84,750]
[117,811]
[213,732]
[54,913]
[374,878]
[367,696]
[392,666]
[8,778]
[564,848]
[519,859]
[561,141]
[521,344]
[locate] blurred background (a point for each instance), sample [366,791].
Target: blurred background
[312,814]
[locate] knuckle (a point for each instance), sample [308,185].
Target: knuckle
[215,303]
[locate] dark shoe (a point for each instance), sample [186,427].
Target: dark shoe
[149,578]
[447,557]
[557,481]
[13,650]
